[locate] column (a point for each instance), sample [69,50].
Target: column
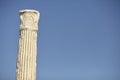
[27,49]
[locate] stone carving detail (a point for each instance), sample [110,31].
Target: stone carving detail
[29,19]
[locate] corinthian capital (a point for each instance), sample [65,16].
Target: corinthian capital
[29,19]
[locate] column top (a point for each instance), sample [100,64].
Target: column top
[29,10]
[29,19]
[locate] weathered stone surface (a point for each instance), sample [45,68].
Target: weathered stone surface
[27,50]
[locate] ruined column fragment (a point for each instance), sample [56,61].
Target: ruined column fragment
[27,49]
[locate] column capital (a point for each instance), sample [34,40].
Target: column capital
[29,19]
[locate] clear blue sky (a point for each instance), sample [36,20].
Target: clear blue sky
[77,39]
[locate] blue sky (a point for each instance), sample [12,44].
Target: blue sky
[77,39]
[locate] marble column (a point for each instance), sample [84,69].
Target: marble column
[27,49]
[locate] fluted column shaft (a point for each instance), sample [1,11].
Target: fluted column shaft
[27,50]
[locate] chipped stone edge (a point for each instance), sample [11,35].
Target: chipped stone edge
[29,10]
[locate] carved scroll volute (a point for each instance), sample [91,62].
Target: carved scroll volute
[29,19]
